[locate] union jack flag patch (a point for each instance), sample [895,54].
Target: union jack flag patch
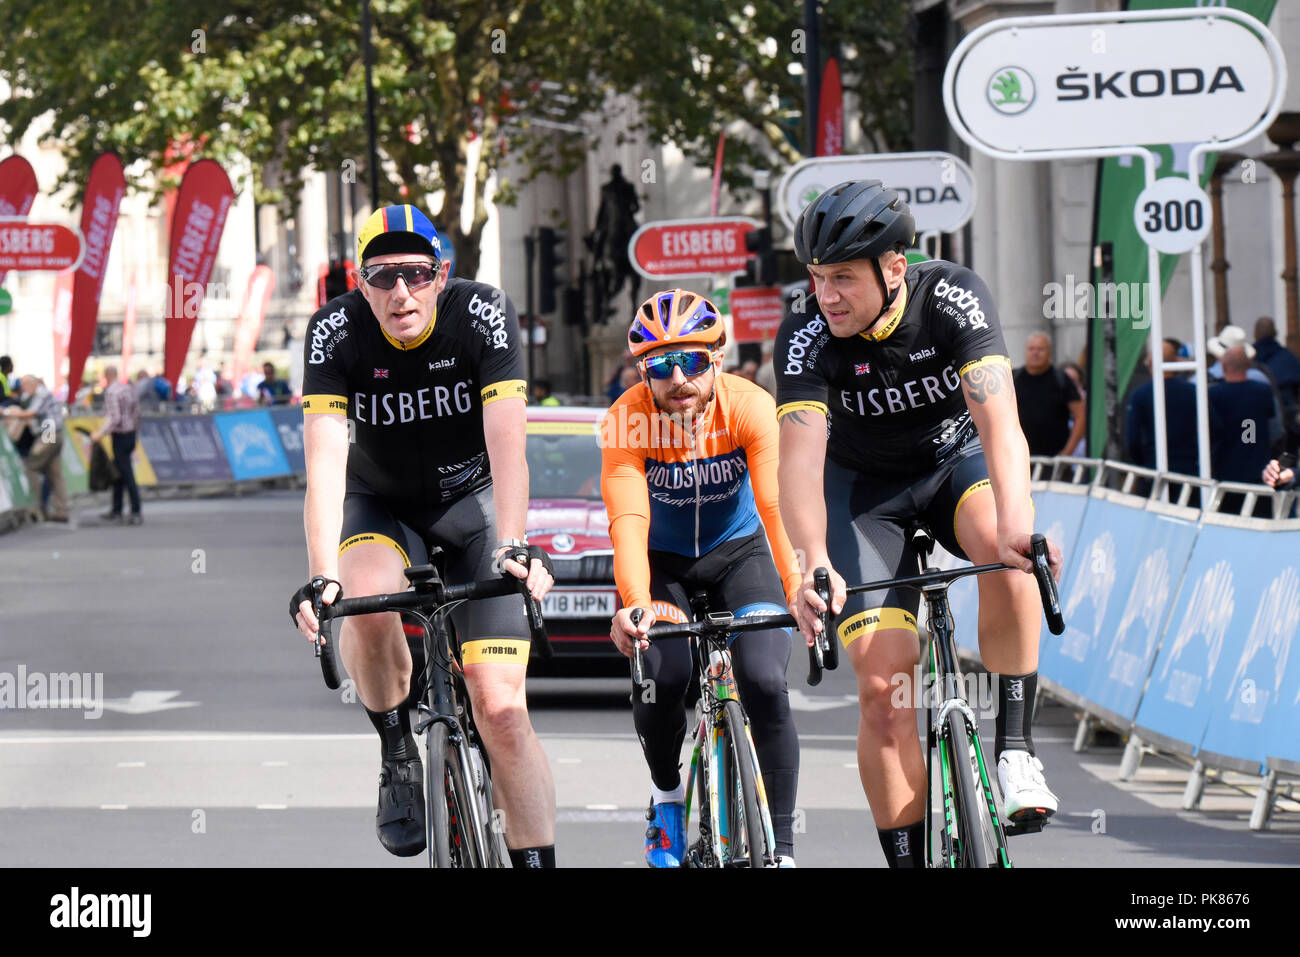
[861,368]
[381,373]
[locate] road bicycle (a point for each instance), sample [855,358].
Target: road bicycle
[460,827]
[735,824]
[972,833]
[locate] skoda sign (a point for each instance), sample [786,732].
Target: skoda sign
[1096,81]
[939,187]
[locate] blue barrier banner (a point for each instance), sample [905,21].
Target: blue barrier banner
[252,444]
[160,447]
[1206,636]
[288,422]
[1059,516]
[1130,632]
[198,443]
[1126,565]
[1258,713]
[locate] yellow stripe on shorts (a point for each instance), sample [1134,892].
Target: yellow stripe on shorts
[493,650]
[378,540]
[873,620]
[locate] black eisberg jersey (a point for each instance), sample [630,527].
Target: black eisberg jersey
[417,407]
[894,399]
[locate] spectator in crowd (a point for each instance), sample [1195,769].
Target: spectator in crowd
[7,396]
[1048,401]
[162,388]
[1076,374]
[616,386]
[1279,477]
[1245,408]
[1232,337]
[224,386]
[272,390]
[628,378]
[44,415]
[542,393]
[747,369]
[121,420]
[203,386]
[145,393]
[1284,367]
[1180,420]
[765,377]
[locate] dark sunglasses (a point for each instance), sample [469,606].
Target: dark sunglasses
[692,364]
[414,275]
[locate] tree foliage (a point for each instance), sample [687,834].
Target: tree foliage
[276,90]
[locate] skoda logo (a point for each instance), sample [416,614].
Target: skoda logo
[1011,90]
[562,542]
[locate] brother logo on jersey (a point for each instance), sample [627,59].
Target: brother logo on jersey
[966,303]
[402,407]
[494,316]
[800,343]
[321,342]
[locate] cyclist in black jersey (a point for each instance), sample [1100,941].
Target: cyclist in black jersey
[895,399]
[413,402]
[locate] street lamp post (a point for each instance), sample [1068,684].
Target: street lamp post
[370,105]
[1219,265]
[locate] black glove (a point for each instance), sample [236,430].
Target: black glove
[524,555]
[311,592]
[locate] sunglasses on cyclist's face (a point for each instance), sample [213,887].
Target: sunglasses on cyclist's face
[691,363]
[414,275]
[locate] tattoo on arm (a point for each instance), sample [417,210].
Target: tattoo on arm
[797,418]
[986,381]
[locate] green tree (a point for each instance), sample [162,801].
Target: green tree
[275,90]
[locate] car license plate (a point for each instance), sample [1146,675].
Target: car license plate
[578,603]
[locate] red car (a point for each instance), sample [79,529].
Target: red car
[567,518]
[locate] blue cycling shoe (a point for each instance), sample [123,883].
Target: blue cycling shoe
[665,838]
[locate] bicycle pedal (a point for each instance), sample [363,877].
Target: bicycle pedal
[1030,825]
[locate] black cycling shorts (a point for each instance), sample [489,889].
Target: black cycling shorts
[491,630]
[737,574]
[866,533]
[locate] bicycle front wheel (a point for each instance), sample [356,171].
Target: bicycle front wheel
[449,827]
[972,850]
[738,790]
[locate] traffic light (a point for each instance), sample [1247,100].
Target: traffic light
[550,261]
[762,269]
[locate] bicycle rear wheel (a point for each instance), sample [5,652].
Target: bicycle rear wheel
[973,851]
[738,790]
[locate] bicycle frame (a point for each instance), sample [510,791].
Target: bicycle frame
[708,755]
[946,677]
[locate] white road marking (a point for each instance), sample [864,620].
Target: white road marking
[602,807]
[272,807]
[275,764]
[130,764]
[112,807]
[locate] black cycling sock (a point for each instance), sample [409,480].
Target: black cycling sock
[394,727]
[1015,712]
[532,858]
[904,846]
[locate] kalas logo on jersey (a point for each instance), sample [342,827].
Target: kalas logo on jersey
[799,343]
[963,299]
[494,316]
[923,354]
[442,364]
[320,335]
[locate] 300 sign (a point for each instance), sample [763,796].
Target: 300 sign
[1172,215]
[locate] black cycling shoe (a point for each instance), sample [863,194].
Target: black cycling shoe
[399,820]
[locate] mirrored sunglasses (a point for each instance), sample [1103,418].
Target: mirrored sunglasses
[691,363]
[414,275]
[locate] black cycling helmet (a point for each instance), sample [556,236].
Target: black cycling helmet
[859,219]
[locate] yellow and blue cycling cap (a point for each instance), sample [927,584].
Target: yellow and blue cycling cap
[398,229]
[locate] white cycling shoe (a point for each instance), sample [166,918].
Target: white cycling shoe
[1025,794]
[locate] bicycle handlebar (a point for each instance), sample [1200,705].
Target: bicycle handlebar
[718,623]
[430,595]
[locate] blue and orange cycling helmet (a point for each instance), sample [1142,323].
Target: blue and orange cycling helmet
[675,317]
